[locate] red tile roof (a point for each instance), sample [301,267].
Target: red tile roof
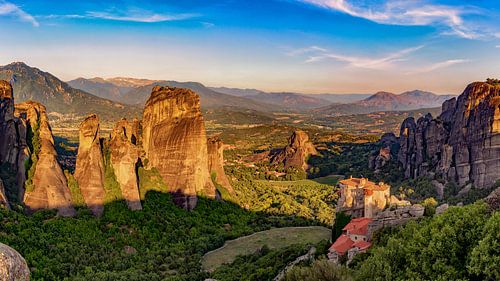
[358,226]
[342,244]
[365,184]
[362,245]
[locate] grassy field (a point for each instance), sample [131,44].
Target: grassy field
[275,238]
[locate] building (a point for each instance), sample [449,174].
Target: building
[360,197]
[355,239]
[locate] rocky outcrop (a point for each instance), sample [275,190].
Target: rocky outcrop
[461,145]
[124,159]
[13,148]
[13,267]
[175,142]
[89,172]
[215,149]
[4,202]
[49,188]
[297,151]
[20,125]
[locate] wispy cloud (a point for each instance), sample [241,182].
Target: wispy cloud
[384,62]
[311,49]
[9,9]
[138,18]
[143,17]
[406,12]
[438,65]
[497,46]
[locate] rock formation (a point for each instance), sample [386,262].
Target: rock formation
[175,142]
[49,186]
[89,172]
[124,158]
[28,123]
[462,144]
[216,162]
[296,152]
[13,267]
[4,202]
[13,148]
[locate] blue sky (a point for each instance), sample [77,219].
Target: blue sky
[311,46]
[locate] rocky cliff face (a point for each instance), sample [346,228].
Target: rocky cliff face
[175,142]
[124,158]
[4,202]
[216,162]
[89,172]
[28,123]
[49,187]
[462,144]
[296,152]
[13,147]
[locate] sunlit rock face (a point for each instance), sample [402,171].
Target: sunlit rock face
[462,144]
[296,152]
[175,142]
[13,267]
[50,189]
[215,149]
[89,172]
[124,158]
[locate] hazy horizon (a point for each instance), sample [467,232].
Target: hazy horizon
[303,46]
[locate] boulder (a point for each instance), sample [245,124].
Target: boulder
[89,172]
[215,149]
[493,200]
[441,208]
[13,267]
[175,142]
[124,159]
[461,145]
[49,187]
[297,151]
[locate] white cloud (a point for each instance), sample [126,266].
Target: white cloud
[142,17]
[9,9]
[306,50]
[438,65]
[384,62]
[138,17]
[407,12]
[497,46]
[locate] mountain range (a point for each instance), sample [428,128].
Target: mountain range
[385,101]
[114,97]
[34,84]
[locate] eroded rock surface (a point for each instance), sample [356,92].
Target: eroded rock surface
[124,158]
[175,142]
[4,202]
[297,151]
[461,145]
[50,189]
[89,172]
[13,267]
[216,162]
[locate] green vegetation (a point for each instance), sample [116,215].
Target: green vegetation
[111,185]
[76,194]
[264,264]
[161,242]
[341,220]
[275,238]
[493,82]
[33,140]
[150,180]
[320,270]
[303,198]
[451,246]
